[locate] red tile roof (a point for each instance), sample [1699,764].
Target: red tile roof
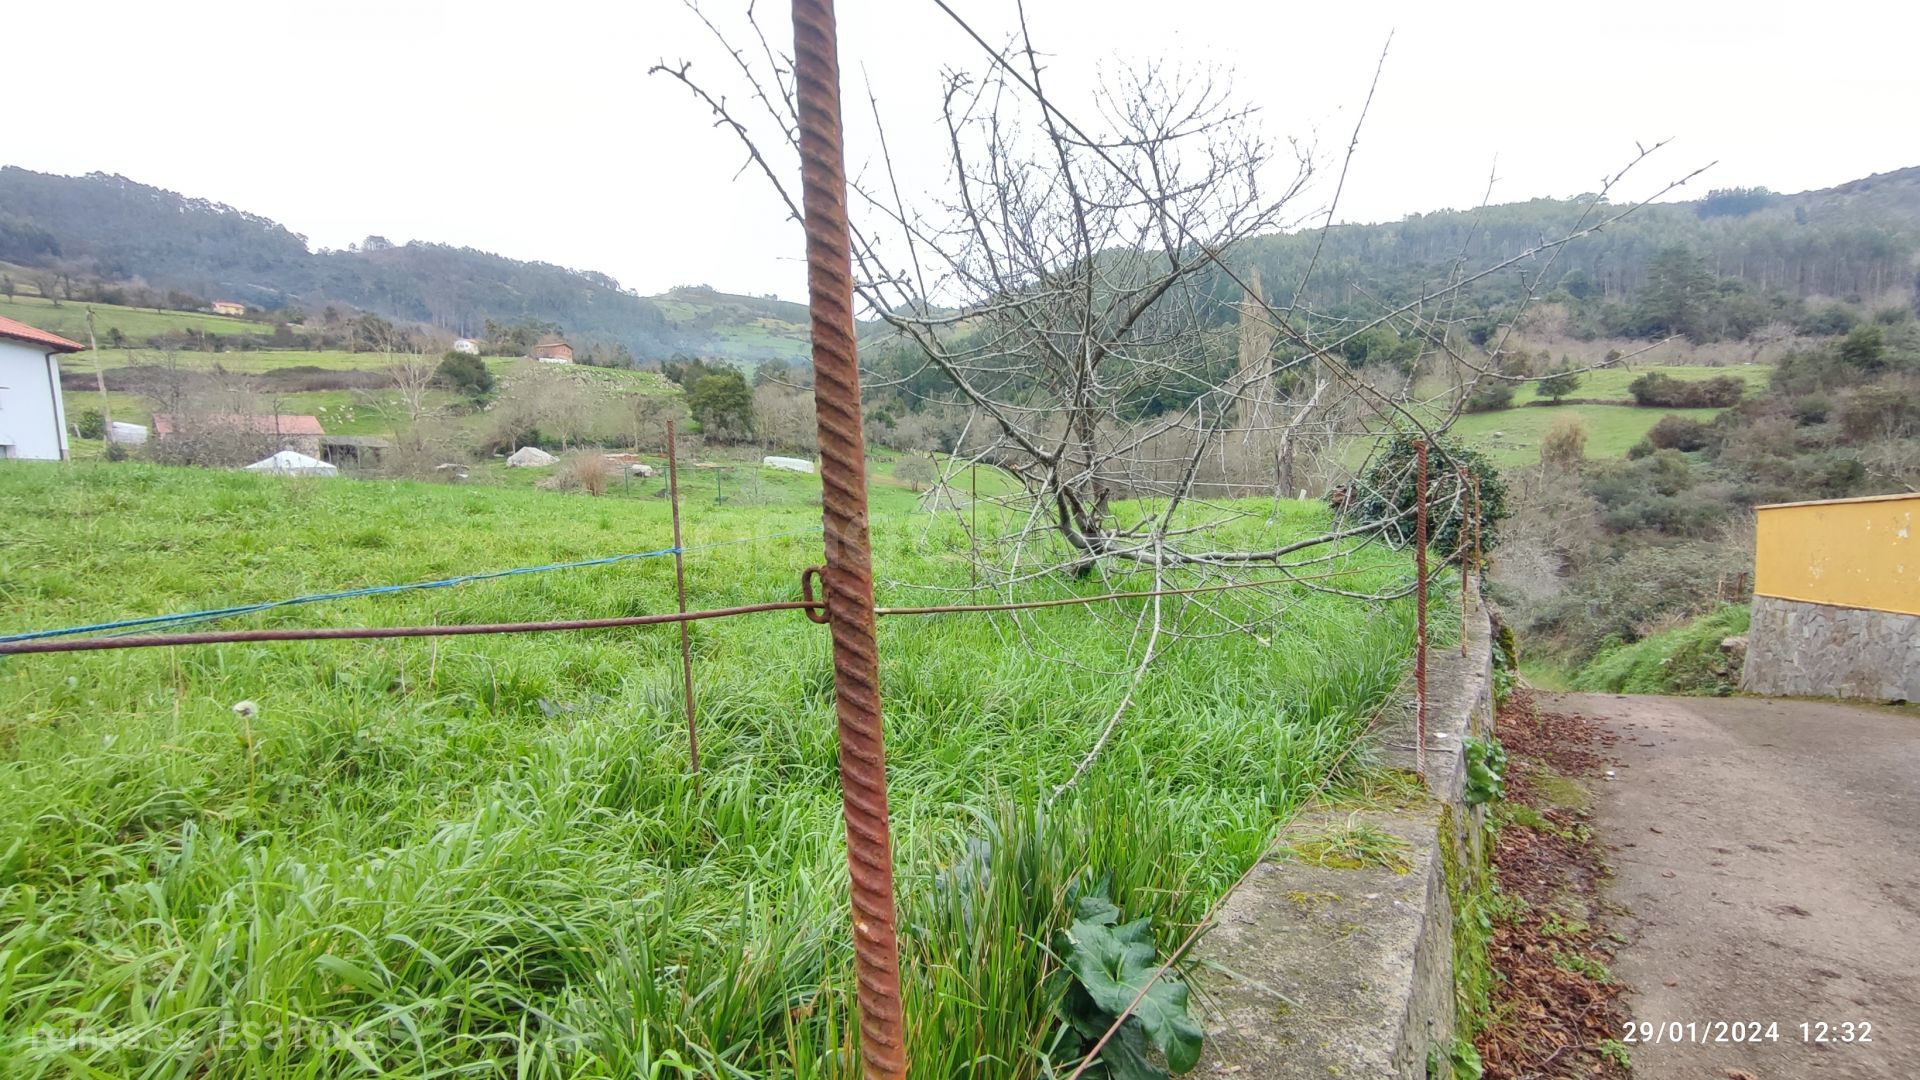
[22,332]
[283,424]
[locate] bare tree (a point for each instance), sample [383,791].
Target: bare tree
[1080,287]
[406,402]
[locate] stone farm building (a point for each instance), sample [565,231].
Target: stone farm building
[553,351]
[279,431]
[229,307]
[33,422]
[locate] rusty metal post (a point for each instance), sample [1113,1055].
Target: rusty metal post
[1420,590]
[1479,567]
[973,530]
[848,577]
[1460,551]
[680,586]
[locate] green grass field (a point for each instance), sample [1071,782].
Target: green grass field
[1610,384]
[1511,437]
[341,412]
[485,856]
[69,320]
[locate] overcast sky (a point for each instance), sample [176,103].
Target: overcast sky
[534,130]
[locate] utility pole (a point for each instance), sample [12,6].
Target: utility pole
[100,380]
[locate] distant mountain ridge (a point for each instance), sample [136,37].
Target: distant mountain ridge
[1858,240]
[116,228]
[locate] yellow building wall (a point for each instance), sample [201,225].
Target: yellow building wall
[1859,553]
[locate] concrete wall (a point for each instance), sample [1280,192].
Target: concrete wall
[1858,553]
[1820,650]
[1836,606]
[1316,971]
[32,418]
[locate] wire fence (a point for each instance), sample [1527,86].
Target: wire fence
[124,634]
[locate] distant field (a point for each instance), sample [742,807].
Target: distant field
[341,412]
[1611,383]
[69,320]
[1512,436]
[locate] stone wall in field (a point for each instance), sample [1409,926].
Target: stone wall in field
[1327,966]
[1805,649]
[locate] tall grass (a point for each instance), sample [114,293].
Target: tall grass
[485,856]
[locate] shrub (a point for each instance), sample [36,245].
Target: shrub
[591,471]
[1658,390]
[1810,408]
[1387,495]
[916,472]
[90,425]
[1491,397]
[1559,384]
[464,373]
[1829,321]
[1864,348]
[1886,410]
[1679,433]
[722,404]
[1565,445]
[1615,600]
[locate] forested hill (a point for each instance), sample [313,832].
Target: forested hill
[1721,266]
[113,228]
[1856,242]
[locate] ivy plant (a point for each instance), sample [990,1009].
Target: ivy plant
[1105,964]
[1486,770]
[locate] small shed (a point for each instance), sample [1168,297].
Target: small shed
[354,450]
[293,463]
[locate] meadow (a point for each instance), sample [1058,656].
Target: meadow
[1511,437]
[69,319]
[487,856]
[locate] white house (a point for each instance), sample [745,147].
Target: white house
[33,423]
[466,345]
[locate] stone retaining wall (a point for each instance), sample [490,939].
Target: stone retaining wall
[1822,650]
[1318,971]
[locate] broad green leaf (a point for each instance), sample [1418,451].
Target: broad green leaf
[1113,964]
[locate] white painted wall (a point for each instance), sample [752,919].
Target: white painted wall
[33,422]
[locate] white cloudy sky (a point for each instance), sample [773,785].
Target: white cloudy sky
[533,129]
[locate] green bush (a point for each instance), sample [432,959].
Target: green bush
[1386,494]
[1659,390]
[1675,432]
[1491,397]
[90,425]
[464,373]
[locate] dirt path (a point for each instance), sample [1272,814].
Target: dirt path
[1766,854]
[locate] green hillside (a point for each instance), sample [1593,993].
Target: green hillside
[69,319]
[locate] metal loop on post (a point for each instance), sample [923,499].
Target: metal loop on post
[815,610]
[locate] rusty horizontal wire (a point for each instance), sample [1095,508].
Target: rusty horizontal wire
[354,633]
[808,604]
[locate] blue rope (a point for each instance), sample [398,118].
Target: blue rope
[186,617]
